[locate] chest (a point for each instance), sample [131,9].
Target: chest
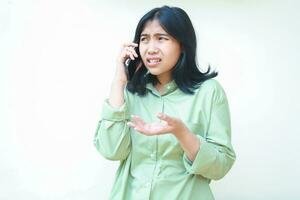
[191,110]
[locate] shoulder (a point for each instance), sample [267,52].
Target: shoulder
[211,85]
[213,89]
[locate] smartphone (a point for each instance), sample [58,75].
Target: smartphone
[131,66]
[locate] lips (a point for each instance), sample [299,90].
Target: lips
[153,61]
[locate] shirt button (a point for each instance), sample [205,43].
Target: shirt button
[148,184]
[152,155]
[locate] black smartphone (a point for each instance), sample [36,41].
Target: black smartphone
[131,67]
[126,65]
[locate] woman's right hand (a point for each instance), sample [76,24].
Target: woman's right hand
[127,51]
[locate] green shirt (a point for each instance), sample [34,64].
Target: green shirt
[156,167]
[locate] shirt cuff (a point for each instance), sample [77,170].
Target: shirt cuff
[205,155]
[114,114]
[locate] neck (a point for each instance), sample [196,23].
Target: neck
[163,79]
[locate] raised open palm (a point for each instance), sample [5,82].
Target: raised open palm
[168,125]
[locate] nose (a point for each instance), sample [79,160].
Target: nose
[152,49]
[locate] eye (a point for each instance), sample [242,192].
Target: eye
[143,39]
[163,38]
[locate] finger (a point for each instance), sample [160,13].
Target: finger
[128,53]
[138,121]
[132,125]
[166,118]
[139,130]
[125,54]
[130,44]
[131,50]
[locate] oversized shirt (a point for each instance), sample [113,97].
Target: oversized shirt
[156,167]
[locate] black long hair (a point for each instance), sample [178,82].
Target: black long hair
[186,73]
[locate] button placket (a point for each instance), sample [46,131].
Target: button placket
[153,156]
[148,184]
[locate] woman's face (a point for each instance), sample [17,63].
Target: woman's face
[159,51]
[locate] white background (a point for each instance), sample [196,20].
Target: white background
[57,59]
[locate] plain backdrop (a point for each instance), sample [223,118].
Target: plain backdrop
[57,60]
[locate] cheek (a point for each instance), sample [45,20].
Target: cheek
[174,55]
[142,48]
[142,52]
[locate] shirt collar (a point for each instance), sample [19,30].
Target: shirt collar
[168,88]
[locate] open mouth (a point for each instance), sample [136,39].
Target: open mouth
[152,62]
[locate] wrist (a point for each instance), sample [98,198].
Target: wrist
[181,133]
[119,82]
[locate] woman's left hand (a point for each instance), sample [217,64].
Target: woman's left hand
[172,125]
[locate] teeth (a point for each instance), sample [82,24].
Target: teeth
[154,61]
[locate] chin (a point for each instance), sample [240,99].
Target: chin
[154,71]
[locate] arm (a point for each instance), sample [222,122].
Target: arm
[112,137]
[188,142]
[211,156]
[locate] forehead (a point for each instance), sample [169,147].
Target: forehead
[152,27]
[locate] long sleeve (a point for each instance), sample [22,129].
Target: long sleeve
[112,137]
[216,155]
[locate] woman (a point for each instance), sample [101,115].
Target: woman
[165,121]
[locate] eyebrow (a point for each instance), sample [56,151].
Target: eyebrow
[156,34]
